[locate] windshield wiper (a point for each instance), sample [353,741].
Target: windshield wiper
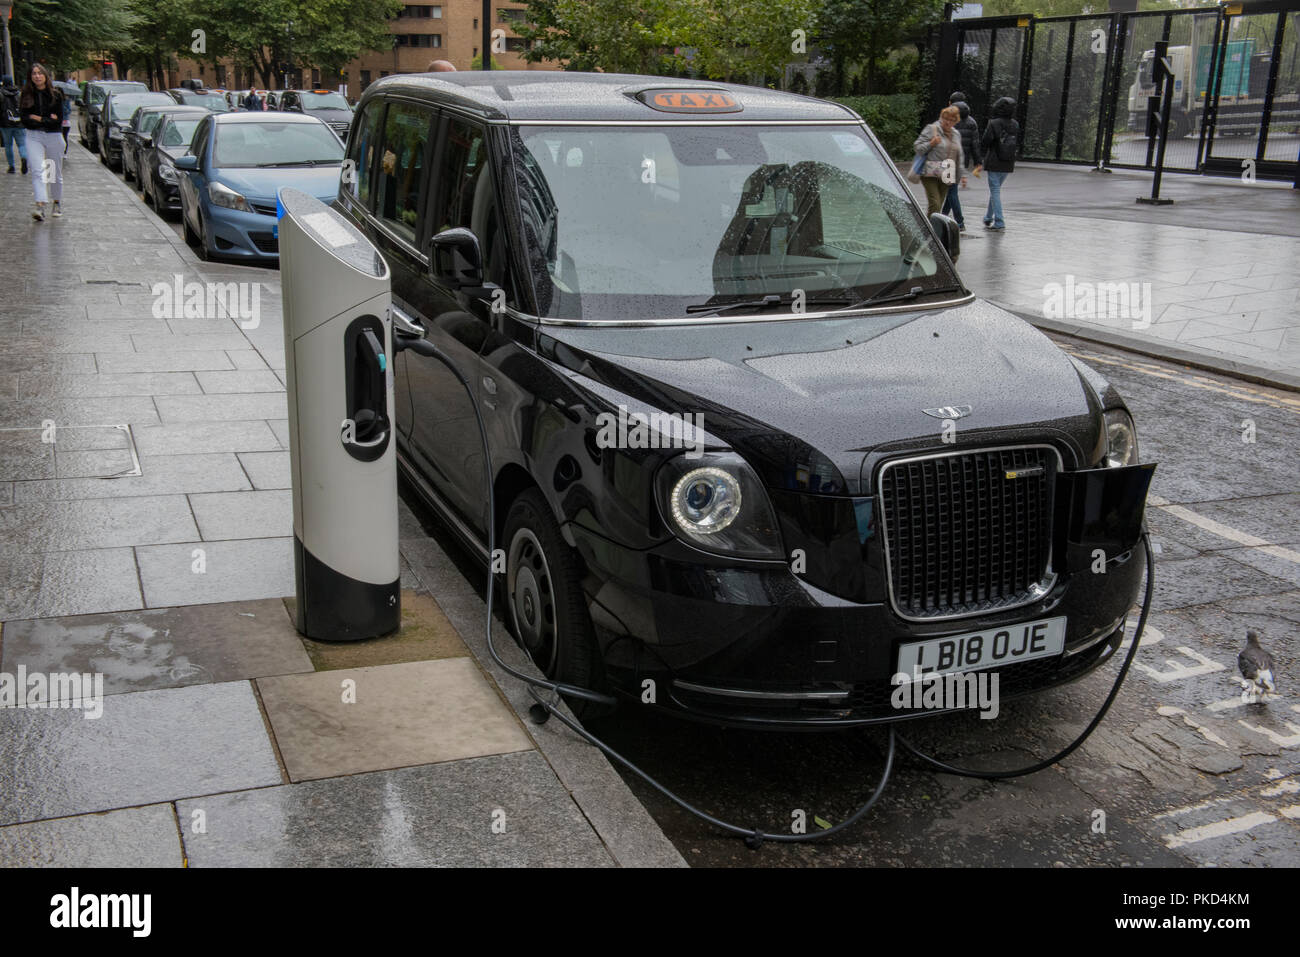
[881,297]
[704,309]
[293,163]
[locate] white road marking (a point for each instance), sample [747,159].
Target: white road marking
[1293,812]
[1224,531]
[1192,807]
[1169,711]
[1282,741]
[1232,825]
[1179,671]
[1285,787]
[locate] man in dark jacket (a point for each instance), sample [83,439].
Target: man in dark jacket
[999,144]
[252,101]
[971,156]
[11,122]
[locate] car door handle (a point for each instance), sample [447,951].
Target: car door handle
[405,324]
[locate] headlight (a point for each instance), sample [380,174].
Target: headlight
[717,503]
[1121,439]
[167,172]
[227,197]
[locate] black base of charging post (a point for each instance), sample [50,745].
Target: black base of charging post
[1160,64]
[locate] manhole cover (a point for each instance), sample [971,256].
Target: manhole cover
[51,451]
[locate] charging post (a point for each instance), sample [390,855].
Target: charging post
[339,378]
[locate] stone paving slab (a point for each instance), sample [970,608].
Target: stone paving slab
[160,648]
[425,634]
[37,584]
[404,714]
[131,837]
[238,570]
[146,747]
[254,514]
[439,815]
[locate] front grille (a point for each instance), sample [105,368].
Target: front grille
[961,537]
[265,242]
[264,209]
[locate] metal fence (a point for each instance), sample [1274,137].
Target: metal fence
[1082,84]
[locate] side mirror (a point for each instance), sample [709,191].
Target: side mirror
[948,233]
[187,163]
[455,258]
[146,139]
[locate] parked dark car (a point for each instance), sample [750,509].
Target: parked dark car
[891,476]
[92,100]
[139,135]
[236,164]
[208,99]
[115,116]
[159,179]
[325,105]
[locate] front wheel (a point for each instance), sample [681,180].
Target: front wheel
[545,605]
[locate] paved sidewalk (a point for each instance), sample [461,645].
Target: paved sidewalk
[145,535]
[1220,269]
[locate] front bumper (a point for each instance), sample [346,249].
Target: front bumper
[756,644]
[240,235]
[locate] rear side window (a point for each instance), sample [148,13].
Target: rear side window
[361,156]
[466,197]
[398,188]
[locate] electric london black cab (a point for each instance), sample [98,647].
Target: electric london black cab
[751,438]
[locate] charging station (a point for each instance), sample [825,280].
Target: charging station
[337,349]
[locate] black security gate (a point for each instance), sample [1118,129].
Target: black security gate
[1082,84]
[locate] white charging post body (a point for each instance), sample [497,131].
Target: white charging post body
[337,355]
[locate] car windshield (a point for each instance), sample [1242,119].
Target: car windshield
[121,107]
[276,144]
[324,101]
[180,132]
[642,223]
[100,93]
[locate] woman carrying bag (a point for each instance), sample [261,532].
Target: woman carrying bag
[938,158]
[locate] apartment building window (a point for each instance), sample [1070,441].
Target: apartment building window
[518,44]
[365,79]
[315,79]
[419,39]
[505,15]
[421,11]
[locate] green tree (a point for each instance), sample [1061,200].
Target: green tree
[63,33]
[868,30]
[737,39]
[616,36]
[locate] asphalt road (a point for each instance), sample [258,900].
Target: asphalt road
[1183,773]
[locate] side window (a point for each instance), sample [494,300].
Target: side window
[401,165]
[466,197]
[362,153]
[200,141]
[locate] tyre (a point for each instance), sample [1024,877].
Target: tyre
[204,254]
[191,237]
[545,606]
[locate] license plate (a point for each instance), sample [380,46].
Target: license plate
[990,648]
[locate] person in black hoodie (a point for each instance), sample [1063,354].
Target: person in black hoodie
[11,122]
[971,156]
[999,143]
[42,111]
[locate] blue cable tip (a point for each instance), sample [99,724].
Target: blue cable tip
[383,362]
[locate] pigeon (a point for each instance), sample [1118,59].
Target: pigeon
[1256,666]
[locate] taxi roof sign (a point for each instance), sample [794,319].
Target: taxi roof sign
[689,101]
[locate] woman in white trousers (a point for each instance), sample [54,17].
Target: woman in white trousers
[41,106]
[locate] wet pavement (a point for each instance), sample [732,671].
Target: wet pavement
[1210,280]
[146,544]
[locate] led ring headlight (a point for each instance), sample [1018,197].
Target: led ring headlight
[706,500]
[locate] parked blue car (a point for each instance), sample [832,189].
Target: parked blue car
[236,164]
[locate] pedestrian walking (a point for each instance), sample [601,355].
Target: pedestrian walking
[252,101]
[970,148]
[938,148]
[67,120]
[42,111]
[11,122]
[999,143]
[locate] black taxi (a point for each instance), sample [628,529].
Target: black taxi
[755,448]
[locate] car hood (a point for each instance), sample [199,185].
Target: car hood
[263,184]
[816,396]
